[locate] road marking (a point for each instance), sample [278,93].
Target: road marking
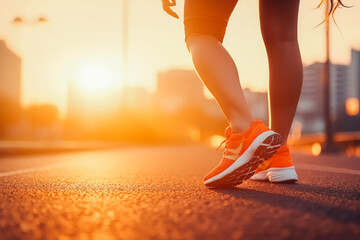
[35,169]
[297,165]
[326,169]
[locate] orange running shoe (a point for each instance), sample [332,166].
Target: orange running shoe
[243,153]
[278,169]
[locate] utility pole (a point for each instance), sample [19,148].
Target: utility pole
[125,34]
[329,145]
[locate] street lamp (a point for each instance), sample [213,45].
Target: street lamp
[17,20]
[329,145]
[24,41]
[41,20]
[125,33]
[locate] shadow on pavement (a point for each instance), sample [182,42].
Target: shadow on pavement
[299,203]
[327,191]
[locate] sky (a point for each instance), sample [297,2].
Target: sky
[81,34]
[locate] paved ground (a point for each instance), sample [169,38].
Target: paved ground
[157,193]
[16,148]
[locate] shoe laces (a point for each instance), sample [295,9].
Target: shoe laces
[227,137]
[226,140]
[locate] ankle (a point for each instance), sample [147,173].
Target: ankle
[240,126]
[240,121]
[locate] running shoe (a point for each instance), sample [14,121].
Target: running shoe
[243,153]
[278,169]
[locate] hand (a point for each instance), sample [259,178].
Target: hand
[166,6]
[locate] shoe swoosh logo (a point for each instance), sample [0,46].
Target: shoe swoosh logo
[235,151]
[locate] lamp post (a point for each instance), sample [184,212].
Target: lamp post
[19,20]
[329,145]
[125,33]
[24,48]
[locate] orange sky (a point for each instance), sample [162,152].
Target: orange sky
[88,32]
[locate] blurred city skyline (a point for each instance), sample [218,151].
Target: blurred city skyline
[178,111]
[76,36]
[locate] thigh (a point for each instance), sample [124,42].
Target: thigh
[207,17]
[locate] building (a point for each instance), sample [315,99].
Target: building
[177,88]
[354,75]
[339,81]
[344,84]
[258,104]
[138,98]
[10,87]
[10,74]
[350,118]
[310,109]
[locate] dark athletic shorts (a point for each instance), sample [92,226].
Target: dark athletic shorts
[207,17]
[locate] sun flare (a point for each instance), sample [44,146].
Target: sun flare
[94,78]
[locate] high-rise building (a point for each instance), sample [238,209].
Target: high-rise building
[350,118]
[339,81]
[10,87]
[258,104]
[10,74]
[354,75]
[344,84]
[310,108]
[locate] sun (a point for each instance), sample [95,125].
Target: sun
[95,78]
[95,89]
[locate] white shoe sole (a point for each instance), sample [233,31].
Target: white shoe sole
[261,149]
[277,175]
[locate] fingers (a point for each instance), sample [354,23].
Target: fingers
[172,3]
[171,12]
[166,6]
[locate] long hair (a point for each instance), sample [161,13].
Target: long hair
[333,6]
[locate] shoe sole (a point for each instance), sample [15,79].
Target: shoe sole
[261,149]
[277,175]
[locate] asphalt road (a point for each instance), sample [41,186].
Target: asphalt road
[157,193]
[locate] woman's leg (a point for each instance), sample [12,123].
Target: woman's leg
[218,71]
[278,19]
[244,150]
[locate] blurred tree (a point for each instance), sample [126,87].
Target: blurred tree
[41,120]
[9,114]
[42,115]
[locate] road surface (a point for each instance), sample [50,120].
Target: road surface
[156,192]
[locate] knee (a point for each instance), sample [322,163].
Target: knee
[192,41]
[198,39]
[278,35]
[189,41]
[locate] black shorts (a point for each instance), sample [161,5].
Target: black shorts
[209,17]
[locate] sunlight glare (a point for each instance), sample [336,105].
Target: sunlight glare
[316,149]
[194,133]
[352,106]
[216,140]
[96,78]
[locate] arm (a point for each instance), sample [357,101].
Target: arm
[166,6]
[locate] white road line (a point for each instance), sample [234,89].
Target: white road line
[297,165]
[35,169]
[326,169]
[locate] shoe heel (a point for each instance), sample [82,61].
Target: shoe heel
[268,147]
[282,175]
